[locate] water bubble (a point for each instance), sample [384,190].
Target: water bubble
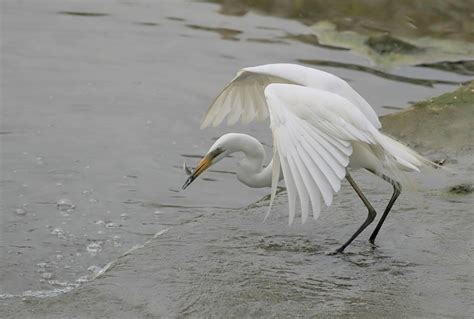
[87,192]
[47,275]
[99,222]
[124,216]
[65,204]
[58,283]
[94,269]
[111,225]
[58,231]
[20,211]
[59,256]
[117,241]
[93,200]
[94,248]
[42,265]
[82,279]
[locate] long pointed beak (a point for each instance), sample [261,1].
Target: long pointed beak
[202,166]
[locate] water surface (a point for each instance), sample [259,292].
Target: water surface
[101,104]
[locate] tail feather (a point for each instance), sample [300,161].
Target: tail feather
[400,159]
[407,158]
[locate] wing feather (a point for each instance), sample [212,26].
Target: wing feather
[275,177]
[248,112]
[317,151]
[250,83]
[314,116]
[331,155]
[298,170]
[314,193]
[313,131]
[236,109]
[290,188]
[319,177]
[219,115]
[316,172]
[242,98]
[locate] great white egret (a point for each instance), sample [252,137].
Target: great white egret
[321,127]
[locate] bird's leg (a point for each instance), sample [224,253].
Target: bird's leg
[370,216]
[397,188]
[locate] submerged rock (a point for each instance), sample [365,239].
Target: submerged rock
[389,33]
[459,67]
[387,44]
[462,189]
[444,123]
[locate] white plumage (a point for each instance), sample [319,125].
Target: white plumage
[320,125]
[244,96]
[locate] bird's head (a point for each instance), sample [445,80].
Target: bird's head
[218,151]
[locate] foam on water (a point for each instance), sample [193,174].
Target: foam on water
[94,272]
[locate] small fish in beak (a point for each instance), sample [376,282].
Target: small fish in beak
[188,171]
[202,166]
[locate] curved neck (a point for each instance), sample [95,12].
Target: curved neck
[251,171]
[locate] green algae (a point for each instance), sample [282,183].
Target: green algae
[442,123]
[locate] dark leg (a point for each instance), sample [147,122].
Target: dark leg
[370,216]
[397,188]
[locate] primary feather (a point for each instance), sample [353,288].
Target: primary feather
[244,96]
[320,127]
[302,119]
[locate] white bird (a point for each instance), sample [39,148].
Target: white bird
[321,127]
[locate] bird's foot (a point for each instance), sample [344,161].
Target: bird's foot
[373,246]
[335,252]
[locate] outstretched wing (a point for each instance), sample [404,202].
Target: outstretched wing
[312,135]
[243,98]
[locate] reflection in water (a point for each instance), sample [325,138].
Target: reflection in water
[390,50]
[148,24]
[386,44]
[440,19]
[394,77]
[459,67]
[225,33]
[310,39]
[388,32]
[83,14]
[176,19]
[266,40]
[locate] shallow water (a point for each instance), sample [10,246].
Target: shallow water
[101,104]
